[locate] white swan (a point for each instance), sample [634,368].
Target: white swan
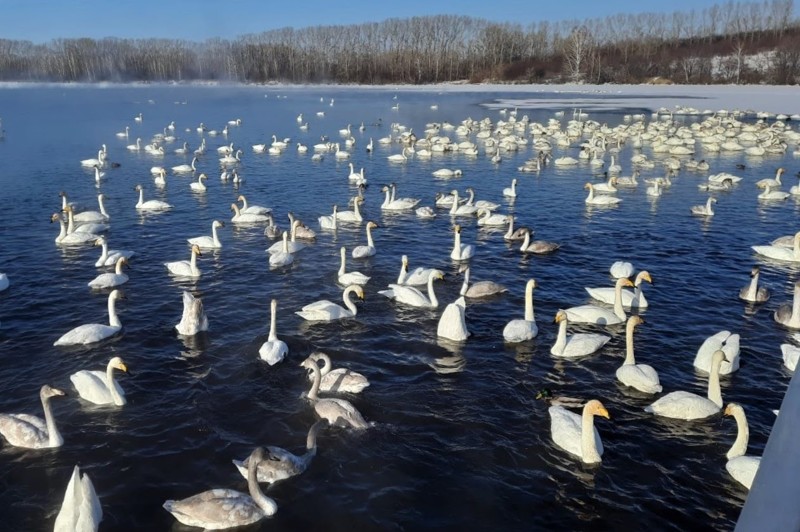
[206,241]
[80,510]
[186,268]
[349,277]
[93,216]
[621,269]
[446,173]
[460,251]
[193,317]
[94,332]
[577,345]
[325,310]
[419,276]
[399,204]
[479,289]
[773,195]
[456,209]
[88,227]
[199,186]
[231,159]
[71,239]
[185,168]
[251,209]
[425,212]
[779,252]
[31,432]
[100,161]
[539,247]
[577,434]
[4,282]
[273,350]
[411,296]
[789,315]
[329,222]
[511,192]
[487,219]
[361,252]
[339,380]
[240,217]
[726,342]
[690,406]
[772,182]
[452,323]
[292,246]
[601,315]
[591,199]
[100,387]
[398,157]
[109,257]
[150,205]
[752,292]
[704,210]
[279,464]
[630,299]
[742,468]
[351,216]
[110,280]
[135,147]
[334,411]
[609,187]
[283,257]
[222,508]
[639,376]
[524,329]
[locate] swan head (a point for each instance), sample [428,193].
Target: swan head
[234,207]
[196,250]
[217,223]
[117,363]
[404,260]
[644,275]
[55,217]
[596,408]
[755,271]
[48,391]
[100,241]
[309,363]
[624,282]
[588,186]
[457,228]
[117,294]
[633,321]
[532,283]
[372,225]
[732,409]
[561,315]
[62,194]
[137,188]
[359,292]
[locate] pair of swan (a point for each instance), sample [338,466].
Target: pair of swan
[109,280]
[778,251]
[339,380]
[391,203]
[100,387]
[223,508]
[150,205]
[361,252]
[95,332]
[279,464]
[639,376]
[291,246]
[31,432]
[601,315]
[193,317]
[689,406]
[576,434]
[186,268]
[334,411]
[206,241]
[80,510]
[273,350]
[577,345]
[457,209]
[538,247]
[325,310]
[752,292]
[460,251]
[109,257]
[85,227]
[742,468]
[787,314]
[348,278]
[630,299]
[526,328]
[411,296]
[65,238]
[301,231]
[240,217]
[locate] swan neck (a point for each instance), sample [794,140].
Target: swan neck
[63,232]
[561,339]
[193,262]
[312,393]
[111,385]
[100,202]
[370,243]
[267,505]
[629,358]
[739,447]
[529,316]
[714,391]
[709,209]
[510,231]
[403,273]
[618,310]
[349,302]
[273,334]
[526,241]
[454,207]
[141,197]
[118,269]
[394,191]
[326,364]
[113,320]
[431,293]
[53,436]
[214,236]
[342,267]
[588,444]
[752,290]
[71,222]
[591,193]
[285,242]
[311,439]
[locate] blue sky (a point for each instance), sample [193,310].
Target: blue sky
[42,20]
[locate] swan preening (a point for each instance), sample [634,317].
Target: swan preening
[273,350]
[80,510]
[334,411]
[193,318]
[279,464]
[100,387]
[31,432]
[325,310]
[223,508]
[577,434]
[95,332]
[689,406]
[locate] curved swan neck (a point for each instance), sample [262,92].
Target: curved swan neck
[326,363]
[311,439]
[349,302]
[118,269]
[714,391]
[53,436]
[265,503]
[454,207]
[739,447]
[629,358]
[273,335]
[141,197]
[214,236]
[561,339]
[312,393]
[388,198]
[113,320]
[529,316]
[618,310]
[510,231]
[588,444]
[431,293]
[111,386]
[709,209]
[526,241]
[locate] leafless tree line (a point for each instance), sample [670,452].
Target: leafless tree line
[715,44]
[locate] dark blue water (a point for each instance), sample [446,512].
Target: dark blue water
[468,448]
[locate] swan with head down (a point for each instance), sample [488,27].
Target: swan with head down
[193,318]
[80,510]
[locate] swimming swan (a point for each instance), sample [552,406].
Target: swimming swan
[338,380]
[100,387]
[185,168]
[460,251]
[640,376]
[725,341]
[351,216]
[329,222]
[273,350]
[71,239]
[591,199]
[361,252]
[186,268]
[325,310]
[630,299]
[279,464]
[752,292]
[206,241]
[349,277]
[109,257]
[193,318]
[789,315]
[93,216]
[704,210]
[94,332]
[251,209]
[223,508]
[31,432]
[151,205]
[419,276]
[411,296]
[240,217]
[600,315]
[741,467]
[577,434]
[80,511]
[110,280]
[690,406]
[782,253]
[524,329]
[283,257]
[335,411]
[539,247]
[577,345]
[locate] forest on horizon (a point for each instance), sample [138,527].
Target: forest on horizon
[731,42]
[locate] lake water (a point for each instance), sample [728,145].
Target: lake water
[459,440]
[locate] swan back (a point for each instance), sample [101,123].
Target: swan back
[80,510]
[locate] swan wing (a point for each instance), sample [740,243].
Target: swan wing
[21,430]
[90,513]
[640,376]
[743,469]
[203,242]
[108,280]
[592,314]
[215,509]
[343,380]
[87,334]
[484,289]
[520,331]
[791,354]
[683,405]
[583,344]
[409,296]
[353,278]
[193,319]
[91,385]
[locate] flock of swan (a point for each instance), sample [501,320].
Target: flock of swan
[617,305]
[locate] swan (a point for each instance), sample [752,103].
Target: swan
[361,252]
[460,251]
[123,134]
[577,434]
[398,157]
[479,289]
[185,168]
[640,376]
[741,467]
[630,299]
[425,213]
[704,210]
[325,310]
[480,204]
[452,323]
[329,222]
[292,246]
[240,217]
[609,187]
[600,315]
[135,147]
[231,159]
[150,205]
[160,180]
[183,150]
[84,227]
[193,318]
[138,118]
[279,464]
[417,277]
[524,329]
[110,280]
[206,241]
[789,315]
[31,432]
[273,350]
[621,269]
[334,411]
[350,277]
[186,268]
[94,332]
[341,154]
[791,354]
[752,292]
[100,161]
[446,173]
[4,282]
[781,252]
[411,296]
[772,182]
[272,231]
[302,231]
[351,216]
[370,146]
[577,345]
[511,234]
[565,161]
[690,406]
[283,257]
[71,239]
[199,186]
[109,257]
[251,209]
[338,380]
[655,190]
[93,216]
[539,247]
[80,511]
[628,181]
[99,387]
[591,199]
[511,192]
[456,209]
[487,219]
[400,204]
[772,195]
[222,508]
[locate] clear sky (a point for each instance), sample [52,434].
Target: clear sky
[197,20]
